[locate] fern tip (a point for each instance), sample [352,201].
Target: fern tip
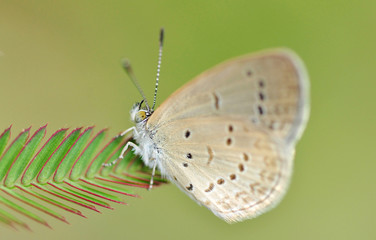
[27,129]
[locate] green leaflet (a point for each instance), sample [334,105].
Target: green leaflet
[42,156]
[68,161]
[97,162]
[22,210]
[20,163]
[83,161]
[54,160]
[11,153]
[4,137]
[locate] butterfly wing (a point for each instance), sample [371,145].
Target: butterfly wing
[227,138]
[269,89]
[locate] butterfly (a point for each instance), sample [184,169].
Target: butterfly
[227,138]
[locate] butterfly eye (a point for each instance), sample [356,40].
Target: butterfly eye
[140,116]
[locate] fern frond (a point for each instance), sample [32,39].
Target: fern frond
[64,173]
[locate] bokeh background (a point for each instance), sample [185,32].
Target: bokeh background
[60,64]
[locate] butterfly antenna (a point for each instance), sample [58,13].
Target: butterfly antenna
[161,35]
[128,69]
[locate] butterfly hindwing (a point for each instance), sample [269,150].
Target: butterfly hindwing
[238,172]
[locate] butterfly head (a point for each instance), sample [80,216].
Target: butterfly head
[140,114]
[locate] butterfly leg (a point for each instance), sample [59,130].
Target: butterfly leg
[127,131]
[152,175]
[121,156]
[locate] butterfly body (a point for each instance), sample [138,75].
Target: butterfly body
[227,138]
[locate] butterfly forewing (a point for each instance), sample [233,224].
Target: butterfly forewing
[270,89]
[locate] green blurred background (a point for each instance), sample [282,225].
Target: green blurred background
[60,64]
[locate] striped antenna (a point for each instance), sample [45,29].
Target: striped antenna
[128,69]
[158,66]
